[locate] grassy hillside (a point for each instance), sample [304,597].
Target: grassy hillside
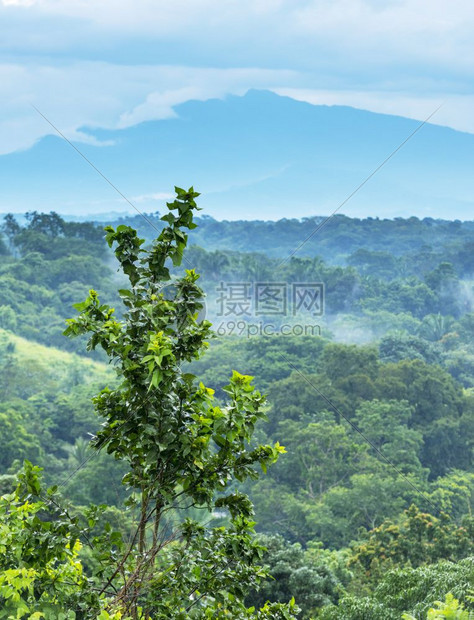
[55,363]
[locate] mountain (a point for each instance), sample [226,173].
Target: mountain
[260,156]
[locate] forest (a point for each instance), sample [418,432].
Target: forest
[161,457]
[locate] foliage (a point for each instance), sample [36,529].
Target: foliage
[450,609]
[41,575]
[403,286]
[293,573]
[408,590]
[180,446]
[52,261]
[418,539]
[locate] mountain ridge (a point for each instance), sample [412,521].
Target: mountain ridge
[259,156]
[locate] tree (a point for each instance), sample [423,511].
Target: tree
[321,455]
[401,346]
[341,360]
[41,575]
[435,326]
[451,609]
[10,228]
[431,390]
[50,224]
[293,573]
[16,439]
[385,424]
[181,448]
[415,540]
[410,591]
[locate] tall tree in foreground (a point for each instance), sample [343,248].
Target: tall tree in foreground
[182,449]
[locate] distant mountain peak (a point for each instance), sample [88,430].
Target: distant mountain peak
[256,156]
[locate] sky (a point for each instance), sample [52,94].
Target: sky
[114,63]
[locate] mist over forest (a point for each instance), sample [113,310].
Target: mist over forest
[363,343]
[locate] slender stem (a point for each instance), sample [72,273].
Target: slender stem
[143,520]
[156,525]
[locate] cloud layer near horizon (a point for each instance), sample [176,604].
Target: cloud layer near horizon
[116,63]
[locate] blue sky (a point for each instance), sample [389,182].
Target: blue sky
[112,63]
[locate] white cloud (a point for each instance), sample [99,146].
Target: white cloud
[110,96]
[18,2]
[156,16]
[382,33]
[156,106]
[395,56]
[97,94]
[152,197]
[305,33]
[431,29]
[201,84]
[455,112]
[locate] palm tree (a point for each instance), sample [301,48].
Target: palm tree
[79,452]
[435,326]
